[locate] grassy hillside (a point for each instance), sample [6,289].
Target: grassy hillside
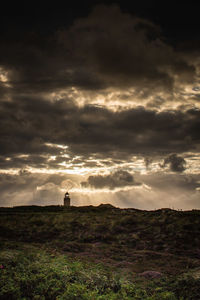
[99,253]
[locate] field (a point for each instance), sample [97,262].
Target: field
[102,253]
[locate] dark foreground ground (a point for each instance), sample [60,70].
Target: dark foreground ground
[102,253]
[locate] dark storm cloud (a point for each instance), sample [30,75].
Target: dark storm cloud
[28,123]
[106,53]
[114,180]
[136,131]
[176,163]
[130,51]
[41,64]
[94,53]
[27,126]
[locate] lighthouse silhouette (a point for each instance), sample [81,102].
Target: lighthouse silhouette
[67,199]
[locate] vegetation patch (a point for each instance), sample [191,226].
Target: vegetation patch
[99,253]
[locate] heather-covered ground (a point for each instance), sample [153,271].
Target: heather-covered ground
[99,253]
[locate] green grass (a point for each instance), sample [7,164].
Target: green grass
[98,253]
[31,273]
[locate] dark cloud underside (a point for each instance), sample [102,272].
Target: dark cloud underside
[28,124]
[116,179]
[105,89]
[93,55]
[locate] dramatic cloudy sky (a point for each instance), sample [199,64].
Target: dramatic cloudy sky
[102,98]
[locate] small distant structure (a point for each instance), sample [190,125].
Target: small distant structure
[67,199]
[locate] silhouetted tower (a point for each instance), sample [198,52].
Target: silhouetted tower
[67,199]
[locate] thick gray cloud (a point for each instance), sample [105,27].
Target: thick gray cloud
[114,180]
[95,53]
[91,54]
[176,163]
[27,126]
[44,84]
[128,52]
